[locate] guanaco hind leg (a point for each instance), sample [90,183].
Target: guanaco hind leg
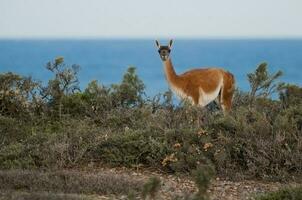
[227,92]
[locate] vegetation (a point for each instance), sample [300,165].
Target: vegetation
[202,177]
[57,126]
[283,194]
[262,83]
[67,182]
[151,188]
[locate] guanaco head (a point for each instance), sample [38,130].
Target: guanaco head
[164,51]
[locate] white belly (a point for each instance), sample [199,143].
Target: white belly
[206,98]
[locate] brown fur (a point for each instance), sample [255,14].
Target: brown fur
[227,92]
[208,80]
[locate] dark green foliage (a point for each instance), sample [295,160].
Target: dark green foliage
[283,194]
[131,148]
[290,95]
[57,126]
[151,188]
[16,95]
[202,177]
[262,83]
[251,143]
[153,148]
[58,144]
[98,99]
[130,92]
[65,82]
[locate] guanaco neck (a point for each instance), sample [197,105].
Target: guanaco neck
[170,72]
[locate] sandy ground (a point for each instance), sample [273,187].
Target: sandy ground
[178,187]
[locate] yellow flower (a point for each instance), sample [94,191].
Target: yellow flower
[206,146]
[177,145]
[169,158]
[59,60]
[202,132]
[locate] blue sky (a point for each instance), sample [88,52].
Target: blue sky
[150,19]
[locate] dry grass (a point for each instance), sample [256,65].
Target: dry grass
[21,195]
[67,182]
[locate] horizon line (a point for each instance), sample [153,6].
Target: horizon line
[155,37]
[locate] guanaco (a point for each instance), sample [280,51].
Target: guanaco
[200,86]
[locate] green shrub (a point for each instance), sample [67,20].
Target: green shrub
[13,130]
[250,144]
[18,96]
[130,92]
[262,83]
[151,188]
[290,95]
[61,126]
[65,82]
[131,148]
[175,151]
[58,144]
[98,98]
[202,177]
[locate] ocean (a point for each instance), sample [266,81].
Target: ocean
[107,60]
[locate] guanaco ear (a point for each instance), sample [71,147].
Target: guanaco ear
[170,43]
[157,44]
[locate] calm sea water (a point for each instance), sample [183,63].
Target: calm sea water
[107,60]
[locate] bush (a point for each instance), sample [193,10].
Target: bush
[202,178]
[290,95]
[262,83]
[130,148]
[65,82]
[61,126]
[151,188]
[59,144]
[18,96]
[130,92]
[174,151]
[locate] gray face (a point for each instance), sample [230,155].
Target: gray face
[164,52]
